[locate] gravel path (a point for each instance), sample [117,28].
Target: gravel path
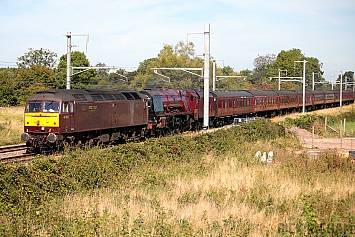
[317,142]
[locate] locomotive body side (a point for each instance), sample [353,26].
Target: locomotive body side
[81,116]
[170,110]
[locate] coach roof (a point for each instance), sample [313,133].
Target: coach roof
[221,94]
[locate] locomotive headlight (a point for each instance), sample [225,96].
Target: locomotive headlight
[47,121]
[51,137]
[25,137]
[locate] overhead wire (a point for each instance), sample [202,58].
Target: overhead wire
[7,64]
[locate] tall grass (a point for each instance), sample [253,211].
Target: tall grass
[208,185]
[11,125]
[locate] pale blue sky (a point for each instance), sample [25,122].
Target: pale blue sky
[126,32]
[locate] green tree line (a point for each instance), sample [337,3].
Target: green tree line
[40,69]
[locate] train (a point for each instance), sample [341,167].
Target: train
[55,119]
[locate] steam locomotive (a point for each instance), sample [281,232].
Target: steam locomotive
[54,119]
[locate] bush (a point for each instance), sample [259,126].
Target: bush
[304,121]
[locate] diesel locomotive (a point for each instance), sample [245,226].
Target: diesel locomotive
[54,119]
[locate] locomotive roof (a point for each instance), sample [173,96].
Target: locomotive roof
[86,95]
[161,91]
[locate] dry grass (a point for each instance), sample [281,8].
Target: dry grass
[225,191]
[11,125]
[324,112]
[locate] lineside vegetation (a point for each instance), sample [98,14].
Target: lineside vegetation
[204,185]
[11,125]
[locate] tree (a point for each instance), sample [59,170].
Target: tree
[80,78]
[248,78]
[35,72]
[41,57]
[286,61]
[348,80]
[261,66]
[263,62]
[227,70]
[102,73]
[8,95]
[30,80]
[180,56]
[119,79]
[229,82]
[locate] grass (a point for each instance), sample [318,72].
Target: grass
[11,125]
[182,186]
[324,112]
[337,119]
[232,198]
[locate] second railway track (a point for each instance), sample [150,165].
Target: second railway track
[12,148]
[14,153]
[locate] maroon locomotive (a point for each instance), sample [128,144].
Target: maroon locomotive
[82,116]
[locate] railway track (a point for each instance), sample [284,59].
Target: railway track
[14,153]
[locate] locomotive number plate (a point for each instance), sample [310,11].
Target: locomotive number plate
[92,107]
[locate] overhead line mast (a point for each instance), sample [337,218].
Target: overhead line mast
[206,77]
[69,46]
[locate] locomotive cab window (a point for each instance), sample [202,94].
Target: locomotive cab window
[50,106]
[34,106]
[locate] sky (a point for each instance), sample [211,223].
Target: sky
[123,33]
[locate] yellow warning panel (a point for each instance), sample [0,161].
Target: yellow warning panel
[41,119]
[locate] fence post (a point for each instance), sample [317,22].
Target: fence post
[312,135]
[341,134]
